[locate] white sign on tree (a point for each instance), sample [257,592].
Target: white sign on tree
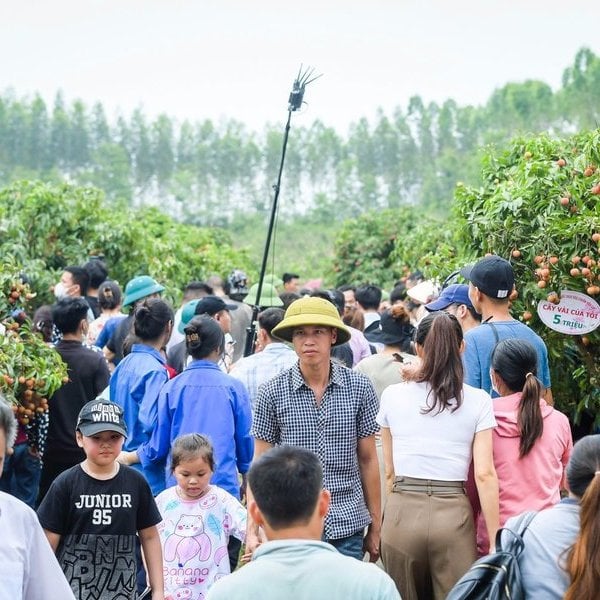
[575,314]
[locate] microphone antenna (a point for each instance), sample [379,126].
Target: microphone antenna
[302,80]
[295,101]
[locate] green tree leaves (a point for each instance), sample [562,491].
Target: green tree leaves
[46,227]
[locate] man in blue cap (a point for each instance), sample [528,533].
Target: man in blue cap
[455,300]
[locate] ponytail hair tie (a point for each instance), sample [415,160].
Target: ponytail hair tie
[530,374]
[192,337]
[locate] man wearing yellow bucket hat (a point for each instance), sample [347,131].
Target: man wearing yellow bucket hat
[329,409]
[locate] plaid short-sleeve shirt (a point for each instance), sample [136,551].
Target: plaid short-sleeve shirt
[286,412]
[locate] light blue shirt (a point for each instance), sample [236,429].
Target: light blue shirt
[548,536]
[135,385]
[479,345]
[258,368]
[304,570]
[203,399]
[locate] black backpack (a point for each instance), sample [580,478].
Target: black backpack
[496,576]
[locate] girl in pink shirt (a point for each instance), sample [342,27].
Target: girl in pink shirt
[532,442]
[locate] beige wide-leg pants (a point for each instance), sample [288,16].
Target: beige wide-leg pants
[427,538]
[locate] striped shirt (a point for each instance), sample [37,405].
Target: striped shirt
[286,412]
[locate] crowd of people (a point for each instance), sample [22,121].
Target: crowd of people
[403,428]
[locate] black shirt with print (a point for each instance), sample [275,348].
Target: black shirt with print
[98,521]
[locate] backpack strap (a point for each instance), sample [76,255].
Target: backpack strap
[494,330]
[514,541]
[523,521]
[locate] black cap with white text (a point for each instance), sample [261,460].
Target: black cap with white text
[492,276]
[101,415]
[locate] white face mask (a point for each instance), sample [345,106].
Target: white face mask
[492,379]
[60,291]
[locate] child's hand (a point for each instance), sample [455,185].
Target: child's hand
[253,541]
[246,557]
[127,458]
[243,486]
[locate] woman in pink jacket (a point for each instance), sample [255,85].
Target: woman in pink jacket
[532,442]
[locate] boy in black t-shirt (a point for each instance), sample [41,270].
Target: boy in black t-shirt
[92,512]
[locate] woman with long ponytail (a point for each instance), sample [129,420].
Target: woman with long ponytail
[532,442]
[431,427]
[561,553]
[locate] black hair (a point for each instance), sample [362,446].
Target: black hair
[288,297]
[189,447]
[197,289]
[151,318]
[346,287]
[398,294]
[399,313]
[334,296]
[68,313]
[203,335]
[97,272]
[415,276]
[368,296]
[269,319]
[471,309]
[109,294]
[80,277]
[286,482]
[474,313]
[441,336]
[286,277]
[515,361]
[128,341]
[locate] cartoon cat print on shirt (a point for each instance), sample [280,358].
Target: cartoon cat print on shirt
[184,593]
[187,541]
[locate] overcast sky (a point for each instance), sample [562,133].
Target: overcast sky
[237,59]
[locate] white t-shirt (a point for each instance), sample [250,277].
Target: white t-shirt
[434,445]
[28,567]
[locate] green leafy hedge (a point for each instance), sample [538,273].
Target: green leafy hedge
[46,227]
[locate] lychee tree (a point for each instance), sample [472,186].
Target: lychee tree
[30,371]
[539,207]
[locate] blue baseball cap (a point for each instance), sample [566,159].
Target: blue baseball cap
[457,293]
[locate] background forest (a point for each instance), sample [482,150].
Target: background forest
[221,174]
